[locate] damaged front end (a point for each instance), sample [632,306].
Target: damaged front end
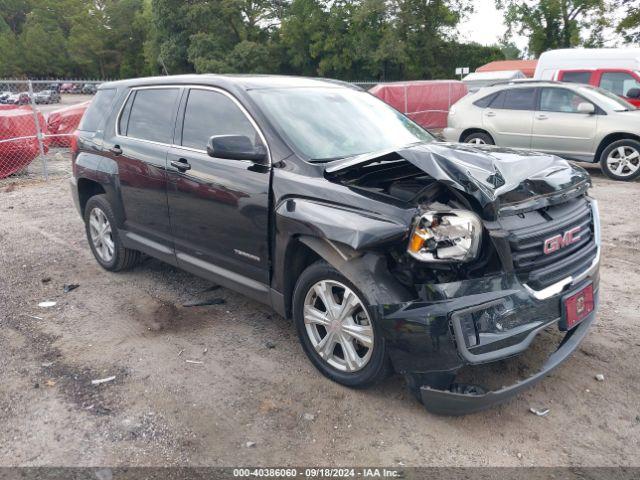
[473,259]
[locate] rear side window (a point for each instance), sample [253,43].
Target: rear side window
[148,115]
[576,77]
[98,110]
[517,99]
[485,101]
[211,113]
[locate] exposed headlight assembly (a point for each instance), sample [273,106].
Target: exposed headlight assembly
[449,236]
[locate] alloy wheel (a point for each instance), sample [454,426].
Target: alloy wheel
[338,326]
[477,141]
[623,161]
[101,235]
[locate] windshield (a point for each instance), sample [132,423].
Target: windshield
[326,124]
[608,100]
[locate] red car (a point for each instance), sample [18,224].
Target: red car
[63,122]
[624,83]
[18,141]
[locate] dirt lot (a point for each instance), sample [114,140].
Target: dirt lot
[254,383]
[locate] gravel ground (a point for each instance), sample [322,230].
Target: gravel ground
[252,382]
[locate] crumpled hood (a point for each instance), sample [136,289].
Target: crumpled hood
[502,180]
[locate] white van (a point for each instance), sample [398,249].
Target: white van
[554,61]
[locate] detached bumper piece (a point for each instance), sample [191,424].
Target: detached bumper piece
[445,402]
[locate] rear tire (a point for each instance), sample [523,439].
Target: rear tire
[354,362]
[479,138]
[621,160]
[102,234]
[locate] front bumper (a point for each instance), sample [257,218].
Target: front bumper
[479,321]
[445,402]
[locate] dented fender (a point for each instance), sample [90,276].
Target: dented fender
[356,228]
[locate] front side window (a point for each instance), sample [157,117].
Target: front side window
[328,123]
[211,113]
[148,115]
[560,100]
[576,77]
[618,82]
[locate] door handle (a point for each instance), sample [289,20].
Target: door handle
[116,150]
[491,114]
[541,117]
[181,164]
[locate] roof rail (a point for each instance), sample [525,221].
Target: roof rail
[520,81]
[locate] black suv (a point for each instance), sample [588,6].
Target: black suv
[389,250]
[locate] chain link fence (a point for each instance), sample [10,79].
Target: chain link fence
[37,121]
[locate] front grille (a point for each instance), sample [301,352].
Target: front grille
[529,260]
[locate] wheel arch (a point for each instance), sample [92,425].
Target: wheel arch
[88,188]
[469,131]
[613,137]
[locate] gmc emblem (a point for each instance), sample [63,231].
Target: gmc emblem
[553,244]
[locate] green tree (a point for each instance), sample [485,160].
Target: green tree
[551,24]
[629,27]
[425,28]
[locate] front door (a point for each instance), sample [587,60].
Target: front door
[219,208]
[559,128]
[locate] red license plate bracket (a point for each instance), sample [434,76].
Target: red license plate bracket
[576,306]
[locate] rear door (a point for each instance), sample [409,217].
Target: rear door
[559,128]
[509,118]
[144,132]
[219,208]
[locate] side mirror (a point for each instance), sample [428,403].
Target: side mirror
[633,93]
[236,147]
[586,107]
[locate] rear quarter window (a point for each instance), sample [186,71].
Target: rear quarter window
[98,110]
[485,101]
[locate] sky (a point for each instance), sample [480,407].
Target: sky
[486,26]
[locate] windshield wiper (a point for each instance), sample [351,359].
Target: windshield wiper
[329,159]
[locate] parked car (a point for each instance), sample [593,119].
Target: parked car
[4,96]
[76,88]
[624,83]
[21,98]
[66,87]
[55,87]
[18,140]
[426,102]
[388,249]
[614,69]
[47,96]
[89,89]
[63,122]
[577,122]
[477,80]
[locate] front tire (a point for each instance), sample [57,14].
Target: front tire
[337,328]
[102,234]
[621,160]
[479,138]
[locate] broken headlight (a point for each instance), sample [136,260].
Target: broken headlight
[451,236]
